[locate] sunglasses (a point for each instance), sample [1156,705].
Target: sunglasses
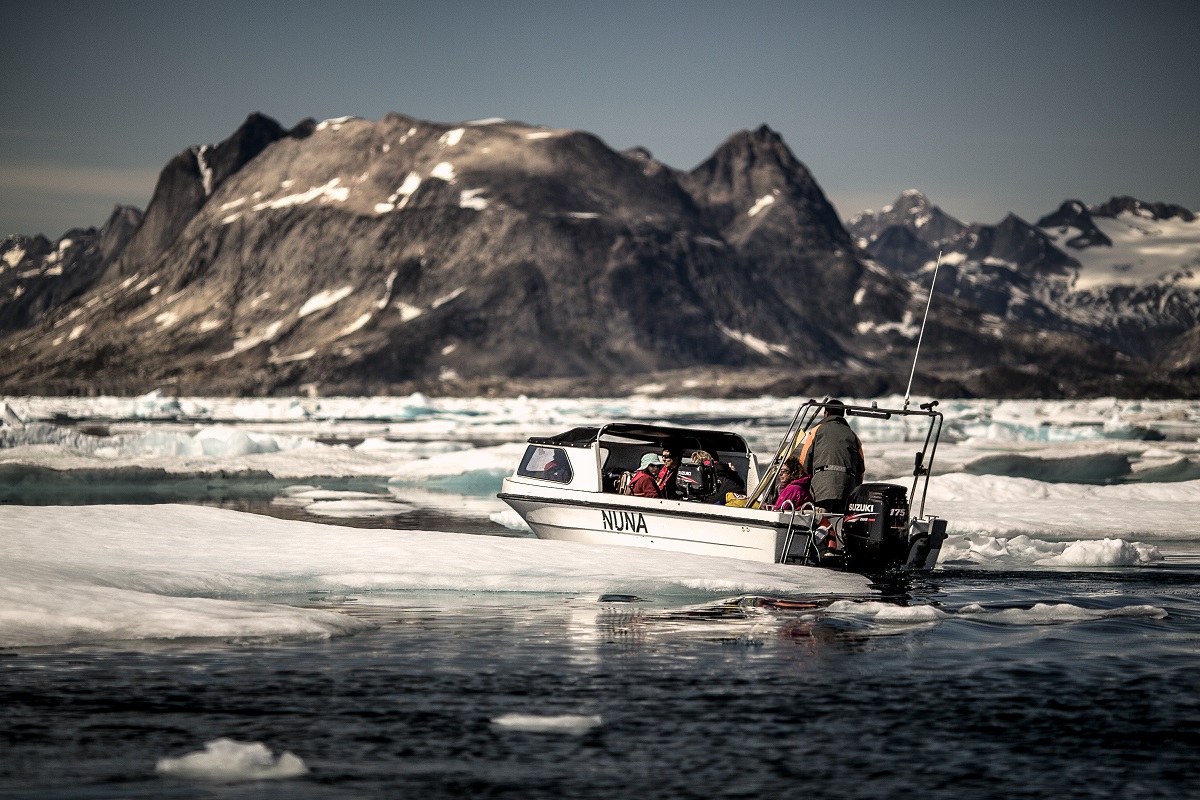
[668,457]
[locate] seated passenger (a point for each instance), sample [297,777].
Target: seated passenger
[643,483]
[666,475]
[728,483]
[793,486]
[557,471]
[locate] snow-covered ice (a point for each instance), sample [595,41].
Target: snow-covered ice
[1032,485]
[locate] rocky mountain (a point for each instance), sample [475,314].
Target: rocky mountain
[37,276]
[1125,273]
[360,256]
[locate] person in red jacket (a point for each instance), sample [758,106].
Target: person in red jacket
[643,484]
[666,474]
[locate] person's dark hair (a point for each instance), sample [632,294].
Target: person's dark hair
[835,408]
[793,467]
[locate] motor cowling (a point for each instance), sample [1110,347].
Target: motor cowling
[875,528]
[695,481]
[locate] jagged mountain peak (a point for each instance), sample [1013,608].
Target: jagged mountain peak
[362,255]
[913,210]
[761,151]
[1073,216]
[1125,204]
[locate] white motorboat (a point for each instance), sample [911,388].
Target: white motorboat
[565,487]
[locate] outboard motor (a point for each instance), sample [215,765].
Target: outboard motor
[694,481]
[875,529]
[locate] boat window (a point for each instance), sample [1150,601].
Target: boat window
[546,463]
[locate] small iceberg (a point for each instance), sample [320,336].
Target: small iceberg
[564,723]
[227,761]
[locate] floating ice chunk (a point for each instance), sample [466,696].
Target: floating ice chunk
[564,723]
[1055,613]
[354,509]
[304,495]
[510,519]
[482,462]
[1023,550]
[219,440]
[887,612]
[1103,553]
[324,300]
[227,761]
[1095,467]
[156,404]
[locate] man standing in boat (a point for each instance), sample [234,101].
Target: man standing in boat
[832,454]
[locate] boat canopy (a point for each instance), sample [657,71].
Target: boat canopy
[692,438]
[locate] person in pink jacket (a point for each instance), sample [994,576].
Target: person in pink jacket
[793,492]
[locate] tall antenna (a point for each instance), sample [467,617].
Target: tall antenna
[921,336]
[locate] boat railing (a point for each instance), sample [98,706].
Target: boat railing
[805,417]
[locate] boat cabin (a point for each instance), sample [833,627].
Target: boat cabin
[592,459]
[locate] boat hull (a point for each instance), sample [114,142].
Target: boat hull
[673,525]
[708,530]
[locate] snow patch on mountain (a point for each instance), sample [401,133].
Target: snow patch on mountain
[1143,251]
[906,327]
[754,343]
[331,191]
[206,173]
[334,124]
[760,204]
[324,300]
[470,198]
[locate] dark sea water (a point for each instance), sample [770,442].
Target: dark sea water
[703,700]
[981,681]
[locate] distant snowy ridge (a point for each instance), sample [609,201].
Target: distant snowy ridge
[1125,273]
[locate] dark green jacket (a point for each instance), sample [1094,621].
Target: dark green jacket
[833,456]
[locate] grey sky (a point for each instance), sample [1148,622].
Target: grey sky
[986,107]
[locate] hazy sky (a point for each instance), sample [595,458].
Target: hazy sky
[986,107]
